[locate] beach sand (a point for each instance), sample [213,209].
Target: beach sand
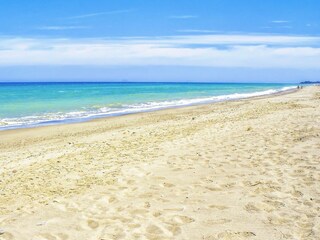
[246,169]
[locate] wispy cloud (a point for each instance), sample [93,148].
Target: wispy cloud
[196,31]
[279,24]
[89,15]
[288,27]
[58,28]
[280,21]
[311,25]
[183,16]
[254,51]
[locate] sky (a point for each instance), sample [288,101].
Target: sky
[160,40]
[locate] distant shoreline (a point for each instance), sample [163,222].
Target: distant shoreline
[310,82]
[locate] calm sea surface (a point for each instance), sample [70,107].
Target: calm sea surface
[34,104]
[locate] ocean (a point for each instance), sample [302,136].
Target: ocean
[36,104]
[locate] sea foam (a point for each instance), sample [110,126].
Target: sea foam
[78,116]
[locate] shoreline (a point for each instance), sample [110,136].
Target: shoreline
[232,170]
[97,118]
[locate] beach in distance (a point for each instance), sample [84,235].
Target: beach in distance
[233,170]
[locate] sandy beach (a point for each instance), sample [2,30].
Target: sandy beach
[247,169]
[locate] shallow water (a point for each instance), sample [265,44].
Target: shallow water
[34,104]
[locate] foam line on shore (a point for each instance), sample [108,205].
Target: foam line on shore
[85,115]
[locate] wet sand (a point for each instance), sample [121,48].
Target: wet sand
[246,169]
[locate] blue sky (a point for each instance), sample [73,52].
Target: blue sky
[160,40]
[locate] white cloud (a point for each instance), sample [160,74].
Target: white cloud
[58,28]
[88,15]
[196,31]
[280,21]
[254,51]
[229,39]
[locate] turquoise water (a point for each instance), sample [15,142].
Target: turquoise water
[33,104]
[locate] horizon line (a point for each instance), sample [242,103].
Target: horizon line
[128,81]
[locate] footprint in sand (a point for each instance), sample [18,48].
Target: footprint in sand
[235,235]
[157,214]
[219,207]
[250,207]
[214,189]
[166,184]
[112,199]
[48,236]
[217,221]
[174,209]
[6,236]
[153,229]
[183,219]
[116,233]
[174,229]
[134,225]
[135,212]
[93,224]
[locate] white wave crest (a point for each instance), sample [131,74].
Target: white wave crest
[77,116]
